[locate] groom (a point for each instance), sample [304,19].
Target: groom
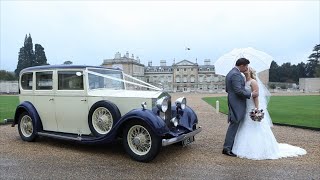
[237,95]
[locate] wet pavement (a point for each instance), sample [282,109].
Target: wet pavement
[55,159]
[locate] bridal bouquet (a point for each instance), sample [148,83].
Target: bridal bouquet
[256,114]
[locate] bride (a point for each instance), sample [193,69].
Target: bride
[255,140]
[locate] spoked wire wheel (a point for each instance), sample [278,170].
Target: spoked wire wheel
[139,140]
[102,120]
[26,126]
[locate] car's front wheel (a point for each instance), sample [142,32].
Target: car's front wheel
[26,128]
[140,142]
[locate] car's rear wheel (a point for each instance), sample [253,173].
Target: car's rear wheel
[26,127]
[102,118]
[140,142]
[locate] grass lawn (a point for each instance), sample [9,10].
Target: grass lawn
[8,106]
[292,110]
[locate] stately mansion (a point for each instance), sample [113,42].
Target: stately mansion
[182,76]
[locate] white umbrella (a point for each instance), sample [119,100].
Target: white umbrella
[259,60]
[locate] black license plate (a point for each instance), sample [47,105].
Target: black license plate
[188,141]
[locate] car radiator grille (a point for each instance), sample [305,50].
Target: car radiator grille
[168,113]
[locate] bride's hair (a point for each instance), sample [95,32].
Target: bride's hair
[252,73]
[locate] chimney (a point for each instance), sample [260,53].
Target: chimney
[162,62]
[117,55]
[127,54]
[207,62]
[150,63]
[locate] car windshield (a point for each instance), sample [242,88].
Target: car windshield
[116,80]
[105,79]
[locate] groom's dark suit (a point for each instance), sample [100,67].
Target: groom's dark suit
[237,95]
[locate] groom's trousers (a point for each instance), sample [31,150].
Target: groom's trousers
[231,134]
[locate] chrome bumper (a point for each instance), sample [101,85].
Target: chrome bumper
[166,142]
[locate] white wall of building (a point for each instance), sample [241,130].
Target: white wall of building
[9,87]
[309,84]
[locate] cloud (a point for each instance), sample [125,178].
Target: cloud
[86,32]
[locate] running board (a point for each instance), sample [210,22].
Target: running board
[57,136]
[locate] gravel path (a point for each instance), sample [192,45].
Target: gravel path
[53,159]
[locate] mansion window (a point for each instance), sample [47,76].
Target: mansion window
[192,79]
[208,78]
[162,79]
[185,79]
[177,79]
[201,78]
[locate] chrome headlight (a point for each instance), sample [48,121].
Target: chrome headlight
[181,102]
[162,104]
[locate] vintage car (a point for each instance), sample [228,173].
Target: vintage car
[93,104]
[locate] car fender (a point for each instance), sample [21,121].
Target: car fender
[28,106]
[157,124]
[187,117]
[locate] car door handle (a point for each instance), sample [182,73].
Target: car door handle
[83,100]
[51,99]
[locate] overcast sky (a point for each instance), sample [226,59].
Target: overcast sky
[86,32]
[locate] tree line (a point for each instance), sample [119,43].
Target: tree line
[291,73]
[27,57]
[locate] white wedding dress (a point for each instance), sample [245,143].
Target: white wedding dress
[255,140]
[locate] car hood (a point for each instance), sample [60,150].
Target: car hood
[125,93]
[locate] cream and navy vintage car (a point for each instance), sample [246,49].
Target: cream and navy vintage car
[92,104]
